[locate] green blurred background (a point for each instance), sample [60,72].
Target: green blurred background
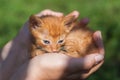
[104,15]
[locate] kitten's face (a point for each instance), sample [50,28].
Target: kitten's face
[49,32]
[50,42]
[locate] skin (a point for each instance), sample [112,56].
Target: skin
[15,65]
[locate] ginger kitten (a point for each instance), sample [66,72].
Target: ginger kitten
[80,41]
[48,33]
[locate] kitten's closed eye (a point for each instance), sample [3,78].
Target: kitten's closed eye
[60,41]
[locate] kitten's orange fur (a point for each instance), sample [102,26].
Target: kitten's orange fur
[80,41]
[77,43]
[48,33]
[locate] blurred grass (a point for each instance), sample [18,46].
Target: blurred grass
[104,15]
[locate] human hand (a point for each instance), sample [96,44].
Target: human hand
[63,67]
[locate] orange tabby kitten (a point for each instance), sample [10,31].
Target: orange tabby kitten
[80,41]
[48,33]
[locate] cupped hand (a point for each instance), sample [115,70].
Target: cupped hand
[62,67]
[57,67]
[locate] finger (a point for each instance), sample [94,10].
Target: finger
[98,39]
[76,76]
[86,63]
[85,75]
[49,12]
[84,22]
[43,12]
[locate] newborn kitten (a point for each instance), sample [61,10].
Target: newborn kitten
[80,41]
[48,33]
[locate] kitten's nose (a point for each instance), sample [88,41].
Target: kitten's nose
[55,51]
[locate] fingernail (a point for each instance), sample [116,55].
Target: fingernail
[100,34]
[99,58]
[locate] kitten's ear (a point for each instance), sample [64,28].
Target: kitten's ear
[34,21]
[70,19]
